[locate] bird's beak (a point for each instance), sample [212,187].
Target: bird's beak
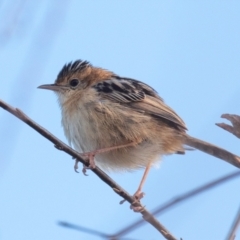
[52,87]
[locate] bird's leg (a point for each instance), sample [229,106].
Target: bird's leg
[139,194]
[92,154]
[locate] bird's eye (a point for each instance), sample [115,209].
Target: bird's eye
[74,82]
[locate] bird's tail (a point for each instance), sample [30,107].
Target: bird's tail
[212,150]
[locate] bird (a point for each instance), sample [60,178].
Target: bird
[118,123]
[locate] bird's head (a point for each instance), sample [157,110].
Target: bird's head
[74,78]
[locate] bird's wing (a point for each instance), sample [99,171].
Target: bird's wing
[140,97]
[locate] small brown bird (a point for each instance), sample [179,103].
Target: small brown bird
[119,123]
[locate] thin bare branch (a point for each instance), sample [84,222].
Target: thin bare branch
[176,200]
[235,128]
[84,229]
[102,175]
[90,231]
[234,228]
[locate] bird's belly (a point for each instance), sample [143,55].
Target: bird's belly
[92,130]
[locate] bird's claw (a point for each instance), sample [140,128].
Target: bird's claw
[76,166]
[91,165]
[135,206]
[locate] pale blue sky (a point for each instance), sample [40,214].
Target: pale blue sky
[189,51]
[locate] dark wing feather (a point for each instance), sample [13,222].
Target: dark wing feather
[139,96]
[124,90]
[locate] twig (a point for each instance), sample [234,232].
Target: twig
[83,229]
[234,228]
[235,120]
[91,231]
[62,146]
[169,204]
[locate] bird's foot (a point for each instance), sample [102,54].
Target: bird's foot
[91,165]
[91,162]
[138,195]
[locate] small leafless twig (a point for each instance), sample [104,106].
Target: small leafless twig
[235,120]
[84,229]
[90,231]
[234,228]
[102,175]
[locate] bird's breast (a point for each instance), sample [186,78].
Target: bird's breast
[79,128]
